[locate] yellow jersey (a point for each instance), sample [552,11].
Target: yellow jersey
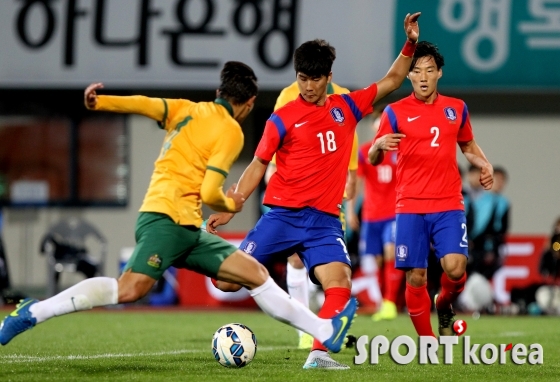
[201,143]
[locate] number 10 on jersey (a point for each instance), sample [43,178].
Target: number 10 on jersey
[331,143]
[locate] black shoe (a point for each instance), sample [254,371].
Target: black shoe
[446,318]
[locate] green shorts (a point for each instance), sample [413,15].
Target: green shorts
[161,243]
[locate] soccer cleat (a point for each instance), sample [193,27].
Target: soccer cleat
[341,323]
[325,362]
[445,319]
[305,341]
[388,311]
[18,321]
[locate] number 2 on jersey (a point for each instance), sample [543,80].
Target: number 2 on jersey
[331,143]
[435,130]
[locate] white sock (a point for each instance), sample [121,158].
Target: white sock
[97,291]
[370,270]
[280,306]
[298,287]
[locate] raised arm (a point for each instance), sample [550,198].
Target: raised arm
[476,157]
[153,108]
[399,70]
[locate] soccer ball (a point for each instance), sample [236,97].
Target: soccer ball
[234,345]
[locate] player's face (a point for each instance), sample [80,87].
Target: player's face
[424,77]
[313,89]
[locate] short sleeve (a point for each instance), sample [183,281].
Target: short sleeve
[385,125]
[361,101]
[274,133]
[465,130]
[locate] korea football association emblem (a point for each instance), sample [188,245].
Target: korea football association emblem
[401,252]
[250,247]
[450,113]
[337,114]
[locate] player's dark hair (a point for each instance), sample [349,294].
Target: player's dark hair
[314,58]
[427,49]
[238,82]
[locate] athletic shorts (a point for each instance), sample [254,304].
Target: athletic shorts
[161,243]
[375,235]
[446,232]
[316,236]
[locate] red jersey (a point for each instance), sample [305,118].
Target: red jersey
[313,145]
[428,178]
[379,185]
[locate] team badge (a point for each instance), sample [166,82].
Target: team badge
[250,247]
[154,261]
[450,113]
[401,252]
[337,114]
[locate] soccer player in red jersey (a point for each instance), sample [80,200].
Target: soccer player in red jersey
[312,138]
[377,231]
[424,129]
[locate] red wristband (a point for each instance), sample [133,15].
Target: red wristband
[408,48]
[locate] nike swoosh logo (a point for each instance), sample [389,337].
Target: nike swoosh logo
[15,312]
[313,364]
[300,124]
[412,119]
[344,323]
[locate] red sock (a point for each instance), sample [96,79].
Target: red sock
[392,278]
[419,306]
[450,290]
[335,299]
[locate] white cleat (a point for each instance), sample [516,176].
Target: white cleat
[325,362]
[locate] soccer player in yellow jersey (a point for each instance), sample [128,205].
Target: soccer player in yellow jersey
[296,274]
[202,140]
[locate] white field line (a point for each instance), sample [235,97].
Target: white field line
[19,358]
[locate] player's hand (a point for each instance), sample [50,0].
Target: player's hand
[216,220]
[487,177]
[389,142]
[411,26]
[237,197]
[90,95]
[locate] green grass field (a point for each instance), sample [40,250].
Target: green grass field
[168,345]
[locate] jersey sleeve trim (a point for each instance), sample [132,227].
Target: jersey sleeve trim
[392,118]
[161,123]
[218,170]
[355,110]
[279,125]
[465,115]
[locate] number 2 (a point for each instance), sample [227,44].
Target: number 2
[435,130]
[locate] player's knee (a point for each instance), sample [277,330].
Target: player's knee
[295,262]
[416,277]
[455,273]
[454,266]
